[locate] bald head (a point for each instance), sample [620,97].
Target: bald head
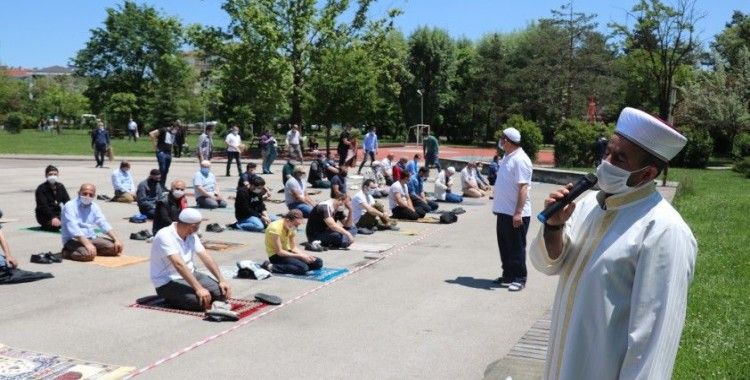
[205,164]
[87,189]
[177,184]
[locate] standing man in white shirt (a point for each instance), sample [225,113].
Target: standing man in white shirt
[512,207]
[122,182]
[293,138]
[233,142]
[625,258]
[132,130]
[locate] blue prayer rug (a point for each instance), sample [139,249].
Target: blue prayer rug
[322,275]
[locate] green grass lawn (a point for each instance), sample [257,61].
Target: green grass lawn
[76,142]
[716,341]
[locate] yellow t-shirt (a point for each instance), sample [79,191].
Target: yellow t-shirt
[276,228]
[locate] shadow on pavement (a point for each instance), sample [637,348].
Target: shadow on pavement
[476,283]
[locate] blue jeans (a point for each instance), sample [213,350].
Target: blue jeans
[302,206]
[452,198]
[165,160]
[431,159]
[293,265]
[254,224]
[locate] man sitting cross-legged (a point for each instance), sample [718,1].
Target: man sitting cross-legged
[80,218]
[249,208]
[294,193]
[50,198]
[366,212]
[322,224]
[319,172]
[284,256]
[443,183]
[400,202]
[207,193]
[173,270]
[122,182]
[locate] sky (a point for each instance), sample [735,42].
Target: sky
[41,33]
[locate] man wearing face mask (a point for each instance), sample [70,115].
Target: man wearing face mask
[149,191]
[512,207]
[249,208]
[50,196]
[81,218]
[416,191]
[625,259]
[284,255]
[169,206]
[206,144]
[122,182]
[173,271]
[163,139]
[366,212]
[207,193]
[322,224]
[294,193]
[99,142]
[338,182]
[233,142]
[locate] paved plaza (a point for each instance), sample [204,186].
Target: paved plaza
[426,309]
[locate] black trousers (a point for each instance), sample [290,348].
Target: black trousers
[180,295]
[234,156]
[369,153]
[426,207]
[99,152]
[342,155]
[404,213]
[293,265]
[512,244]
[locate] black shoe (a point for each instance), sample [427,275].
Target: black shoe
[41,258]
[364,231]
[138,236]
[214,227]
[503,282]
[266,265]
[54,257]
[268,298]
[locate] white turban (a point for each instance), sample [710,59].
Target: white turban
[650,133]
[190,216]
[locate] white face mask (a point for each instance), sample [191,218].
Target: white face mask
[52,179]
[178,193]
[613,180]
[86,201]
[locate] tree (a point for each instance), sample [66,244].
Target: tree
[59,97]
[733,38]
[666,36]
[136,52]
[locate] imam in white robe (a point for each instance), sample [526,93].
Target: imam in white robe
[625,268]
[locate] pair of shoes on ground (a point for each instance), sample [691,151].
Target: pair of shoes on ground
[366,231]
[512,286]
[141,235]
[215,227]
[221,311]
[250,269]
[315,246]
[103,197]
[46,258]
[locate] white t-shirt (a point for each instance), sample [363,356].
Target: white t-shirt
[292,137]
[167,243]
[208,183]
[467,177]
[357,201]
[514,169]
[132,125]
[397,188]
[387,167]
[233,142]
[293,186]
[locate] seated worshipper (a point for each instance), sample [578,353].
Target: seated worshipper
[400,202]
[149,191]
[294,193]
[318,173]
[338,182]
[122,182]
[80,219]
[482,181]
[169,206]
[494,166]
[247,175]
[249,208]
[207,194]
[284,255]
[443,184]
[287,171]
[333,167]
[399,168]
[413,166]
[50,198]
[322,224]
[416,191]
[6,258]
[469,182]
[378,175]
[173,269]
[387,168]
[366,212]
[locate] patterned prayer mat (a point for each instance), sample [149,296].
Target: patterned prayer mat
[244,308]
[216,245]
[22,364]
[117,261]
[322,275]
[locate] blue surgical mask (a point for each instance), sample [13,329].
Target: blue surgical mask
[205,171]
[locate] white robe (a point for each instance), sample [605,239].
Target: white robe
[624,273]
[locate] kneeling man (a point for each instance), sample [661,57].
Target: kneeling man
[173,270]
[80,219]
[322,224]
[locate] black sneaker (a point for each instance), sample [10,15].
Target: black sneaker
[214,227]
[54,257]
[40,258]
[503,282]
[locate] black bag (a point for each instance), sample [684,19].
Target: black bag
[448,218]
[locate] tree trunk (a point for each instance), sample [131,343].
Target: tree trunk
[296,117]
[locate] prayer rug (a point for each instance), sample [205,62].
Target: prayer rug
[244,308]
[22,364]
[370,247]
[117,261]
[40,229]
[216,245]
[322,275]
[279,201]
[427,219]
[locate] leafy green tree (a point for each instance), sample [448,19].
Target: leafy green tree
[137,51]
[14,95]
[733,38]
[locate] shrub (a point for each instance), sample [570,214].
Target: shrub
[697,151]
[531,135]
[741,146]
[16,121]
[743,167]
[574,142]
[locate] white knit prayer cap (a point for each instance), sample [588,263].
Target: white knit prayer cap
[190,216]
[650,133]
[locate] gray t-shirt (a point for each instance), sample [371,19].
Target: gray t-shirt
[293,186]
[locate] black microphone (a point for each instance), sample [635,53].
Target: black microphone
[588,181]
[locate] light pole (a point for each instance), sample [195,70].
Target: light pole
[421,106]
